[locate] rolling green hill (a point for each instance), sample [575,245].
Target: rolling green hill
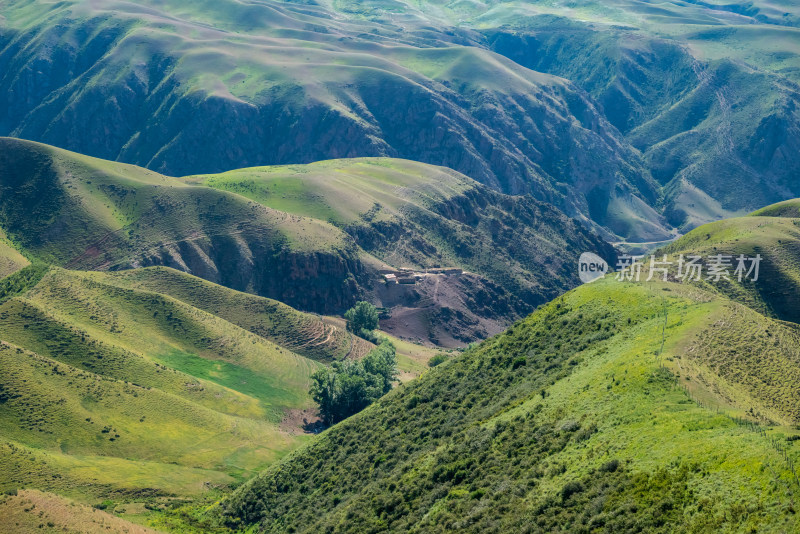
[773,233]
[83,213]
[150,382]
[410,215]
[230,85]
[717,133]
[621,406]
[314,237]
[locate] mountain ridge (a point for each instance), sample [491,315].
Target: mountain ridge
[290,244]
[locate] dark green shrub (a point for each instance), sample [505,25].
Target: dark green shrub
[349,386]
[436,360]
[570,489]
[610,466]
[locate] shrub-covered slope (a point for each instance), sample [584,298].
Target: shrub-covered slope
[580,417]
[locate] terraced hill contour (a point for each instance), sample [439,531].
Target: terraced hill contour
[150,382]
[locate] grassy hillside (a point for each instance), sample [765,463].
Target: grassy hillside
[635,118]
[32,511]
[620,406]
[10,258]
[81,212]
[150,384]
[772,232]
[231,85]
[719,135]
[311,236]
[302,333]
[412,215]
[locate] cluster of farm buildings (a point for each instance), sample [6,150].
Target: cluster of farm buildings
[410,277]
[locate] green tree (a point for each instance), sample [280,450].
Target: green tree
[382,362]
[347,387]
[362,319]
[437,360]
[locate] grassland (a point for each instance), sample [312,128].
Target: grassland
[713,29]
[277,83]
[147,386]
[342,191]
[304,334]
[655,405]
[10,258]
[772,233]
[32,511]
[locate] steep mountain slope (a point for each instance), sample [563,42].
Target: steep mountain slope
[657,406]
[313,241]
[230,85]
[410,215]
[719,135]
[673,109]
[90,214]
[111,386]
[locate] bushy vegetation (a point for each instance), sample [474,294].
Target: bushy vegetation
[437,360]
[362,320]
[21,280]
[349,386]
[569,421]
